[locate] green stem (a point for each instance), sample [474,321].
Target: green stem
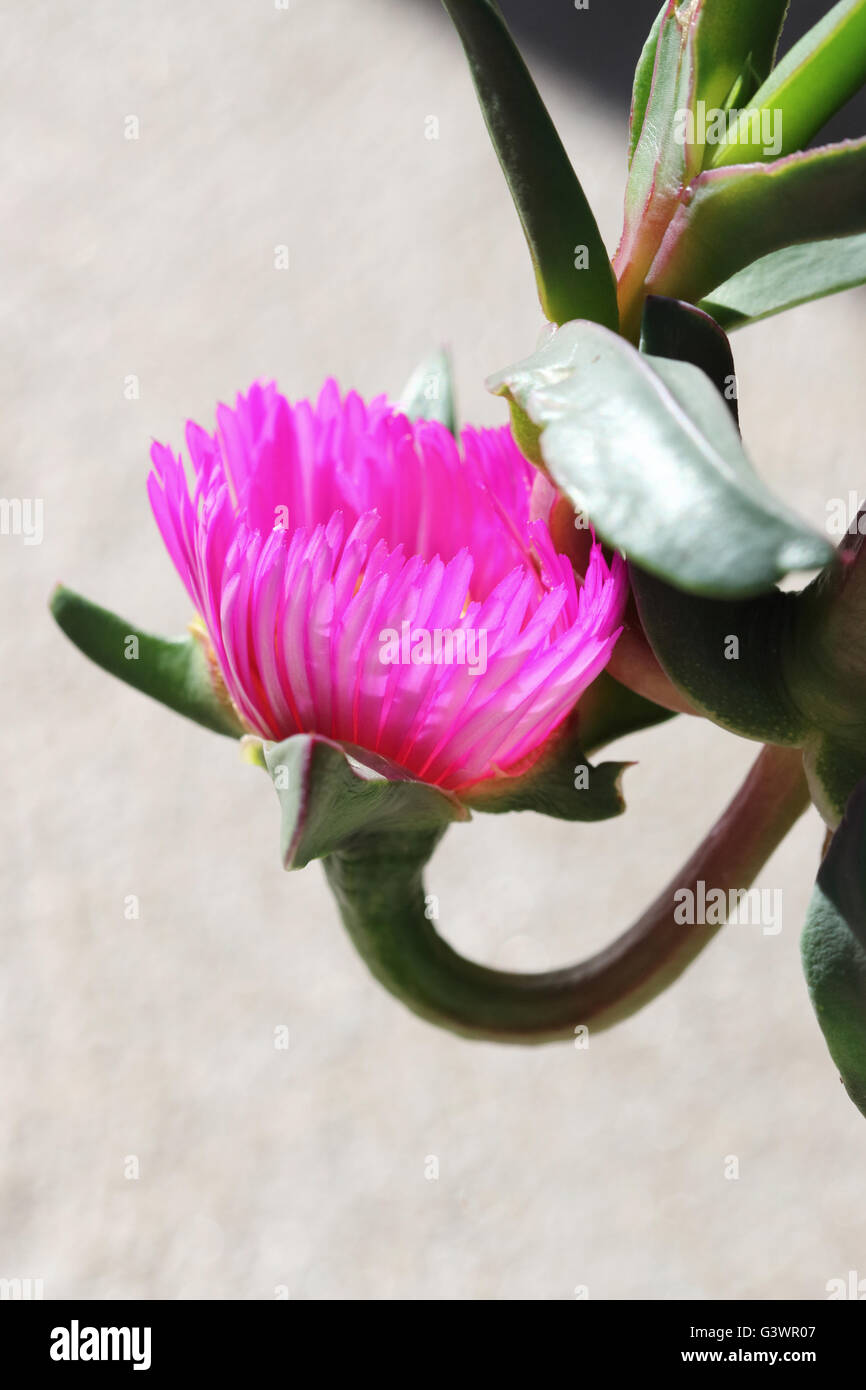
[380,893]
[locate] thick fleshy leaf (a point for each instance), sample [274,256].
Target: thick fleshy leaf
[748,666]
[176,671]
[834,763]
[561,783]
[786,668]
[556,217]
[643,81]
[660,165]
[819,74]
[734,216]
[647,449]
[834,948]
[736,47]
[725,656]
[728,657]
[827,673]
[429,392]
[328,798]
[701,54]
[787,278]
[671,328]
[660,162]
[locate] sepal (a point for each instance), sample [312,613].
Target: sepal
[179,672]
[330,798]
[561,783]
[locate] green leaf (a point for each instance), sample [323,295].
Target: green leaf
[787,278]
[429,392]
[826,673]
[660,162]
[732,217]
[834,762]
[330,799]
[643,81]
[726,656]
[175,671]
[648,450]
[786,668]
[736,47]
[670,328]
[660,165]
[561,783]
[708,51]
[820,73]
[550,202]
[834,948]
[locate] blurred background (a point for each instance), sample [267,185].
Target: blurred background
[156,1143]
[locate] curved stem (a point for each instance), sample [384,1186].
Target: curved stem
[380,892]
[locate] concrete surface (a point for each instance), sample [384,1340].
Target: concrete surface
[302,1171]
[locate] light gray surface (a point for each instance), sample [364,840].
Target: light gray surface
[306,1168]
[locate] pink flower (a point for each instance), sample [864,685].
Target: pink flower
[322,541]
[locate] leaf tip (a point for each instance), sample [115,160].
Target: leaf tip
[808,552]
[57,600]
